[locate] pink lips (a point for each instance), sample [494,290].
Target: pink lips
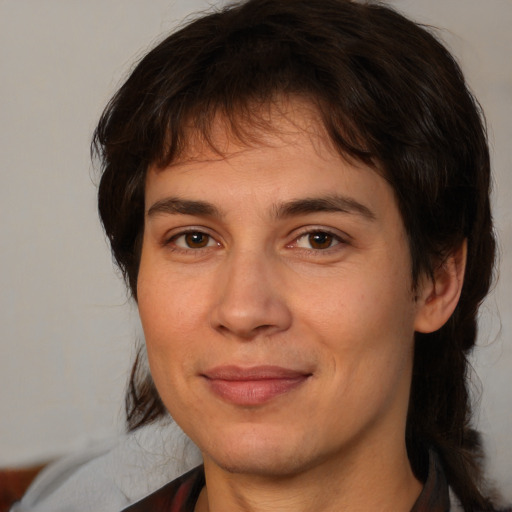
[253,386]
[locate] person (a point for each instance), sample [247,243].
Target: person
[297,194]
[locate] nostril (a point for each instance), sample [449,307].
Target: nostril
[265,327]
[245,333]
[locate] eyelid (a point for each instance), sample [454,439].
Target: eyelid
[176,233]
[341,237]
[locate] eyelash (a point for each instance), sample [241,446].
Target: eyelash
[171,241]
[335,241]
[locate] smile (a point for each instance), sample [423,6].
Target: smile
[253,386]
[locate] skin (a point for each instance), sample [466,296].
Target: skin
[232,276]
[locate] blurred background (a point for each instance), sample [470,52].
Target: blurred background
[67,328]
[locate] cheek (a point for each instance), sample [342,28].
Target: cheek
[369,344]
[365,322]
[167,304]
[173,316]
[361,302]
[157,310]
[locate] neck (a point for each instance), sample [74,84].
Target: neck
[382,480]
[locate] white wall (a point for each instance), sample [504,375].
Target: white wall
[67,332]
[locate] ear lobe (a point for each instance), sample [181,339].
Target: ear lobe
[438,297]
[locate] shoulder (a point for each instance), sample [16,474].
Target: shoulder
[111,476]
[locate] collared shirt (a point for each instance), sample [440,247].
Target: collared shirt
[181,494]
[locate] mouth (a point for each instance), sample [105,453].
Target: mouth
[255,385]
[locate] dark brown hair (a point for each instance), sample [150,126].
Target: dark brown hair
[390,95]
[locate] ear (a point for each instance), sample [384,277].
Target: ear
[438,297]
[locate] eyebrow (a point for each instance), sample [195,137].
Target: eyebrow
[295,207]
[332,203]
[174,205]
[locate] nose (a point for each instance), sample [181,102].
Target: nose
[250,298]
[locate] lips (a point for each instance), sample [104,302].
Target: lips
[255,385]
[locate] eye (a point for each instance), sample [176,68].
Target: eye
[317,240]
[193,240]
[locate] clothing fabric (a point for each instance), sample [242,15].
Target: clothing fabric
[109,476]
[181,495]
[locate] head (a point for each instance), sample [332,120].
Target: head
[386,96]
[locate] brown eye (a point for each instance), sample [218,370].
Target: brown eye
[193,240]
[317,241]
[320,240]
[196,240]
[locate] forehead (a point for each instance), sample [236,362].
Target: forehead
[281,160]
[250,126]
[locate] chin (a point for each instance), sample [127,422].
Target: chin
[264,454]
[273,466]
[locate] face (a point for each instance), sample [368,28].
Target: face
[276,300]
